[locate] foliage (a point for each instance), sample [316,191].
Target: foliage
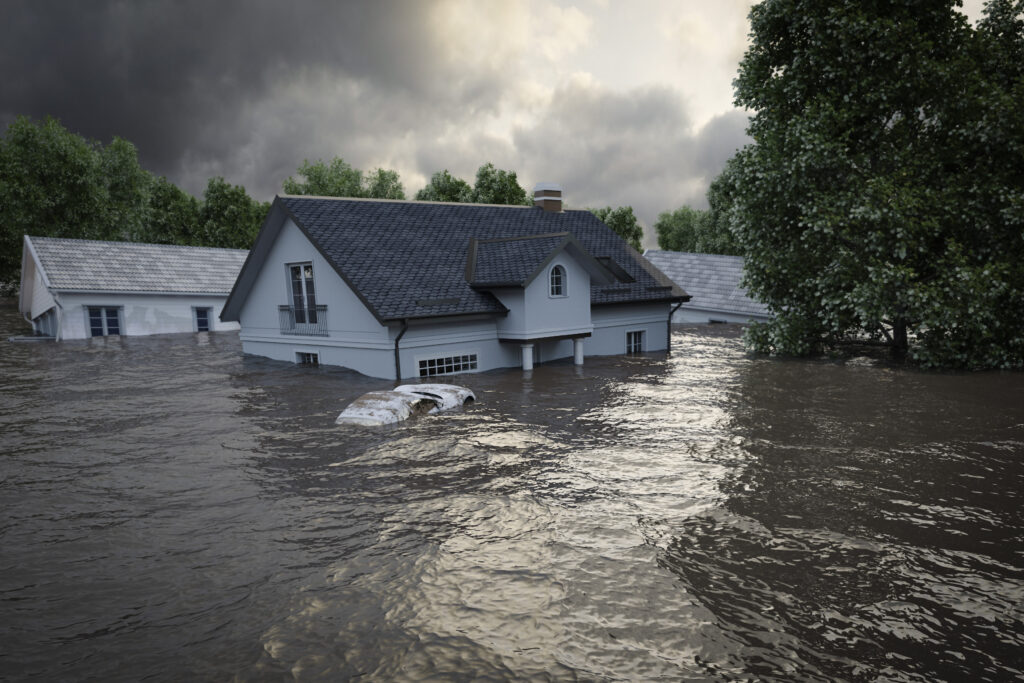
[174,216]
[623,222]
[338,179]
[493,186]
[444,187]
[694,230]
[229,217]
[496,186]
[883,196]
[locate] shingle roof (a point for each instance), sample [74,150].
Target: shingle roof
[95,266]
[712,280]
[510,260]
[407,259]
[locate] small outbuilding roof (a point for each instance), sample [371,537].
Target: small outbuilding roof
[97,266]
[712,280]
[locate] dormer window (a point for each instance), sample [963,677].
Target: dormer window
[558,281]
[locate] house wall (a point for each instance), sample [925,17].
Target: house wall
[698,315]
[534,313]
[434,340]
[141,314]
[354,337]
[612,322]
[41,299]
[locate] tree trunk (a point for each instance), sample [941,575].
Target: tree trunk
[899,339]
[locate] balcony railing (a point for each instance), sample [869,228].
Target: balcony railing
[309,322]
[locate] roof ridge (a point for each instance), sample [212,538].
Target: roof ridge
[35,238]
[403,201]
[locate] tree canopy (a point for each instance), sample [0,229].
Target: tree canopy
[623,222]
[54,183]
[337,178]
[493,186]
[882,198]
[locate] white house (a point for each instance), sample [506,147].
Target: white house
[74,289]
[399,289]
[713,282]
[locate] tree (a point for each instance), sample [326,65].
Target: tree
[444,187]
[882,199]
[339,179]
[383,184]
[623,222]
[495,186]
[54,183]
[229,216]
[174,215]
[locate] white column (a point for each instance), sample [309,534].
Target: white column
[577,350]
[527,356]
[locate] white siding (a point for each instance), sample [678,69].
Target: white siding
[141,314]
[534,313]
[611,323]
[697,315]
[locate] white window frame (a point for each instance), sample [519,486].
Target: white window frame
[472,356]
[564,283]
[103,316]
[643,339]
[305,293]
[209,318]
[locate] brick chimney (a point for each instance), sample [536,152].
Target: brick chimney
[548,196]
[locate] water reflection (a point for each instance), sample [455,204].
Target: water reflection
[175,510]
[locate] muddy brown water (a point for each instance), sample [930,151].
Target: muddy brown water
[173,510]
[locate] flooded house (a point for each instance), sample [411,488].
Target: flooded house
[76,289]
[397,289]
[713,282]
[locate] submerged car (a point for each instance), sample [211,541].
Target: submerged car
[387,407]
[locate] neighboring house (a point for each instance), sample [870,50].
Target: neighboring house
[713,282]
[74,289]
[399,289]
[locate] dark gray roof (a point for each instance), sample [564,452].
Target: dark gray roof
[407,259]
[712,280]
[96,266]
[509,260]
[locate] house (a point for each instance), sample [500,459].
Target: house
[399,289]
[75,289]
[713,282]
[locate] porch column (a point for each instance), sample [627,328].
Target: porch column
[527,356]
[577,350]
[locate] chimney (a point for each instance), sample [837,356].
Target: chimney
[548,196]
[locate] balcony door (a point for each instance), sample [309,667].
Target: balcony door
[303,293]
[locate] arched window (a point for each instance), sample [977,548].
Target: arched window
[558,281]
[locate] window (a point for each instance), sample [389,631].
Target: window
[202,319]
[558,281]
[104,321]
[447,365]
[306,358]
[635,341]
[303,292]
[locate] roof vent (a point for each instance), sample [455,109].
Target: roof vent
[548,196]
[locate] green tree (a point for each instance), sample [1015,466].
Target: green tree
[444,187]
[174,215]
[623,222]
[338,179]
[383,184]
[229,217]
[58,184]
[496,186]
[883,196]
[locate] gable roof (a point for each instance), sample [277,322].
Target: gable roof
[516,261]
[407,259]
[713,280]
[97,266]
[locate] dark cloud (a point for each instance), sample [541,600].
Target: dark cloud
[249,89]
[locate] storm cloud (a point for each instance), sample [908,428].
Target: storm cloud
[248,90]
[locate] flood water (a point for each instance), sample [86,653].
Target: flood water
[172,510]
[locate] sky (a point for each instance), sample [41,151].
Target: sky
[622,103]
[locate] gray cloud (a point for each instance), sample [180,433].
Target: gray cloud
[248,89]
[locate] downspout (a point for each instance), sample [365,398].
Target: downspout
[398,360]
[668,342]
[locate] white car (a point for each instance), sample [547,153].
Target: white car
[387,407]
